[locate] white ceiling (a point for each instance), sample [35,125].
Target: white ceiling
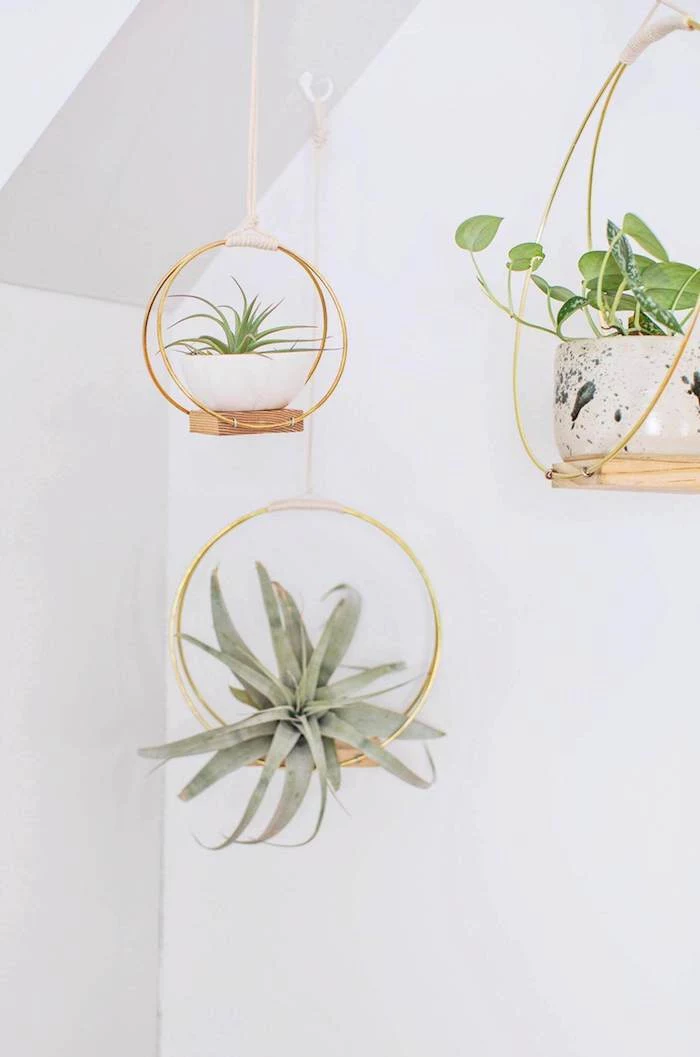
[146,158]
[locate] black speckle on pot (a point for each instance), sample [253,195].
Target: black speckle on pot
[685,379]
[618,415]
[583,397]
[695,387]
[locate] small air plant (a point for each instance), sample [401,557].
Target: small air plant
[242,332]
[299,715]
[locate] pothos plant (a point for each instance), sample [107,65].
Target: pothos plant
[620,290]
[241,331]
[298,714]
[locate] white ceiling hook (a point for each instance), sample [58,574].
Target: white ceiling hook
[322,95]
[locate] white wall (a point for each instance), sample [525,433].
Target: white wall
[82,461]
[542,899]
[45,49]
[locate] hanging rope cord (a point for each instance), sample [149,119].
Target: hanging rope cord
[318,140]
[248,233]
[648,33]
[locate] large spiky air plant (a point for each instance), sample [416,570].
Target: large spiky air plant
[299,715]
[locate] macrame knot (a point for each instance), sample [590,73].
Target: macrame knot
[320,137]
[650,33]
[247,234]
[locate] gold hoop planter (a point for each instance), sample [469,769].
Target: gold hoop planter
[201,709]
[307,719]
[204,419]
[659,450]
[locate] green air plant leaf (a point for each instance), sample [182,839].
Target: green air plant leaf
[337,728]
[294,626]
[525,255]
[287,663]
[298,716]
[244,333]
[225,762]
[382,723]
[282,743]
[265,684]
[343,688]
[635,227]
[298,770]
[477,233]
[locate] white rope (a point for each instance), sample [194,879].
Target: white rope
[649,31]
[306,503]
[247,233]
[319,138]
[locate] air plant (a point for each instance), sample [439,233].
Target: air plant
[299,715]
[621,291]
[242,332]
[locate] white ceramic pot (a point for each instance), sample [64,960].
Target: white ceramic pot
[246,382]
[602,385]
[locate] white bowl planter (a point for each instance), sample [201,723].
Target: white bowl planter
[602,385]
[246,382]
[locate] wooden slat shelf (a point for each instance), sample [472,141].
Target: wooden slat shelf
[635,473]
[277,421]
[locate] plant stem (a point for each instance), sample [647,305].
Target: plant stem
[601,274]
[550,310]
[591,322]
[509,311]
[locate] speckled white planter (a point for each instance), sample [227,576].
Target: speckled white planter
[247,382]
[602,385]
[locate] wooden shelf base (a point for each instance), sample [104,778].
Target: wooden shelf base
[283,420]
[635,473]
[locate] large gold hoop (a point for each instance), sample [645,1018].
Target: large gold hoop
[158,299]
[563,473]
[198,705]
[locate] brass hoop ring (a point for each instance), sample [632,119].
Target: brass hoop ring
[197,704]
[605,93]
[159,297]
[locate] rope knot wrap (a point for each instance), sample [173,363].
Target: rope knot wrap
[249,235]
[650,32]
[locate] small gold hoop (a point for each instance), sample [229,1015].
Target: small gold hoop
[198,705]
[158,300]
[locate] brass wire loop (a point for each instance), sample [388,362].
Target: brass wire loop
[609,86]
[158,301]
[197,703]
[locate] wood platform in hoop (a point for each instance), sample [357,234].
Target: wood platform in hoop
[277,421]
[634,473]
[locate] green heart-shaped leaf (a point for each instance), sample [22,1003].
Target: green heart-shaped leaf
[635,227]
[476,233]
[525,255]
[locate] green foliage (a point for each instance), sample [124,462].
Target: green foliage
[636,229]
[631,293]
[525,255]
[242,331]
[299,713]
[477,233]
